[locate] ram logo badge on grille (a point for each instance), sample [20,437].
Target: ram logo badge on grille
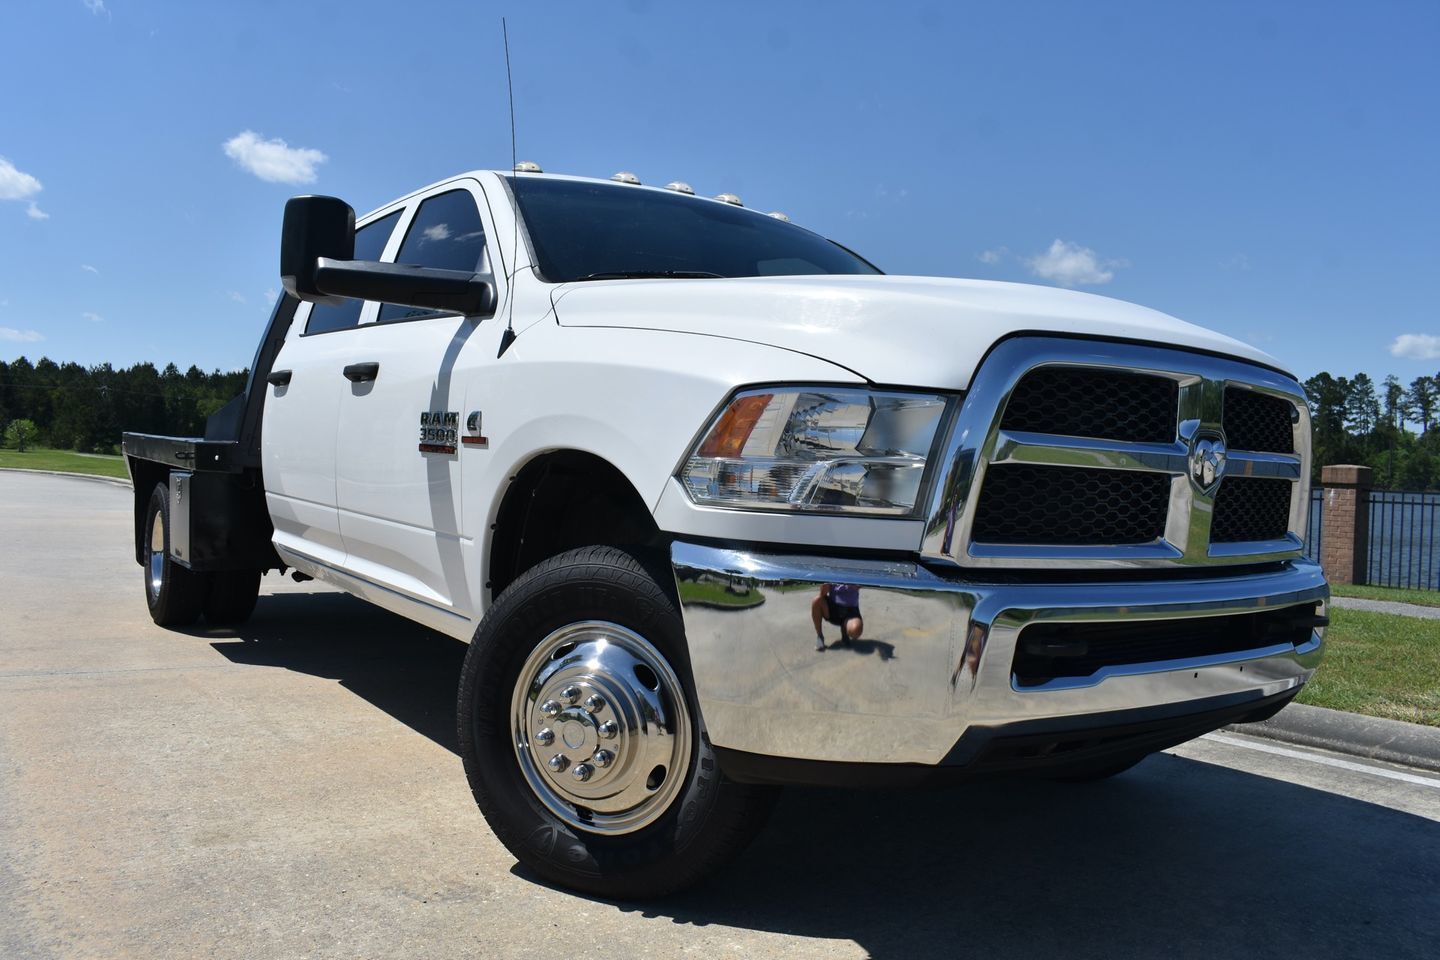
[1207,462]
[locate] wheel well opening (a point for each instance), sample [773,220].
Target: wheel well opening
[563,500]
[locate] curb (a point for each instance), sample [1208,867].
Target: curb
[113,481]
[1390,741]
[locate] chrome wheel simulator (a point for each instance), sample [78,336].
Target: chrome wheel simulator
[595,683]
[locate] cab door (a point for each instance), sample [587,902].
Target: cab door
[302,410]
[401,418]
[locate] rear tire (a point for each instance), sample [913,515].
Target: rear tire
[173,594]
[230,596]
[581,664]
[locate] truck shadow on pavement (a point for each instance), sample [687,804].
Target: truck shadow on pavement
[407,670]
[1176,858]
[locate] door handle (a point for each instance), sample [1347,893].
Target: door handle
[362,372]
[278,378]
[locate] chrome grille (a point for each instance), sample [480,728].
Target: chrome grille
[1079,402]
[1025,504]
[1257,421]
[1058,460]
[1251,508]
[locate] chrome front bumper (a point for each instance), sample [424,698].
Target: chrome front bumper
[935,659]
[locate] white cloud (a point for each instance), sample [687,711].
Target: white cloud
[35,213]
[96,7]
[237,296]
[16,184]
[88,269]
[270,296]
[993,257]
[1072,265]
[273,161]
[92,317]
[21,336]
[1416,346]
[441,231]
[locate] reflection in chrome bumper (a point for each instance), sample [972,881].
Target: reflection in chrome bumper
[935,656]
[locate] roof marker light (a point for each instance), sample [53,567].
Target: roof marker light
[528,166]
[729,198]
[625,176]
[680,186]
[778,215]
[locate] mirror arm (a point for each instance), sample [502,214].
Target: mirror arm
[411,286]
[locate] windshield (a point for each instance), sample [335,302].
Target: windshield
[597,231]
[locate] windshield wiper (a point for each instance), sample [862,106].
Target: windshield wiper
[653,274]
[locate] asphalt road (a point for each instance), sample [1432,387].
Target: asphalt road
[290,789]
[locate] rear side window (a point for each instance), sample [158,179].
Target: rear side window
[446,233]
[370,243]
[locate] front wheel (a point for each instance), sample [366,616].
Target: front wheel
[582,740]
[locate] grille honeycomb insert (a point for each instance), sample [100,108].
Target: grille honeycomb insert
[1024,503]
[1105,404]
[1251,508]
[1257,421]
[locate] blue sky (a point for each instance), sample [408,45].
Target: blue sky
[1268,170]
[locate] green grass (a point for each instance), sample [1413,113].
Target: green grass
[714,595]
[64,461]
[1425,598]
[1381,665]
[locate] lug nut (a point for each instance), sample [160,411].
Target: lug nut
[558,762]
[582,771]
[570,694]
[608,729]
[602,758]
[550,708]
[594,703]
[545,736]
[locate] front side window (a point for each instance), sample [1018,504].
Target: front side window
[370,243]
[446,233]
[582,230]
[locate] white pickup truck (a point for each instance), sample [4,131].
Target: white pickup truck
[720,507]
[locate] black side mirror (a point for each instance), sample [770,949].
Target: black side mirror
[314,227]
[317,263]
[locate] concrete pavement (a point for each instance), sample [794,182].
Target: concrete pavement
[290,789]
[1387,606]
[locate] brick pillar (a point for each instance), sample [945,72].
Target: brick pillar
[1345,523]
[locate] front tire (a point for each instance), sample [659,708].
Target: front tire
[173,593]
[582,739]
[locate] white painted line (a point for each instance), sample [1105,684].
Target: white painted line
[1326,761]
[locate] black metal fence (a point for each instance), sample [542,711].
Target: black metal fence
[1404,526]
[1404,547]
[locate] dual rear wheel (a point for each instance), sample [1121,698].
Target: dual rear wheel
[177,596]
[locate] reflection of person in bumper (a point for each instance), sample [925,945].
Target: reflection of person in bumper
[837,603]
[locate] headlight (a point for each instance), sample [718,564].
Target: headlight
[836,450]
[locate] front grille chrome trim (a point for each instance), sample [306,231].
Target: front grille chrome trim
[976,441]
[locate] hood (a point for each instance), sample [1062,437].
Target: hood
[912,331]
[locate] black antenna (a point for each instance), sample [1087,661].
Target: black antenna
[508,337]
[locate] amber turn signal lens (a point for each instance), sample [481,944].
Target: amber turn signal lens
[727,439]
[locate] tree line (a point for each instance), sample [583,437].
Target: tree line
[1356,421]
[73,407]
[87,408]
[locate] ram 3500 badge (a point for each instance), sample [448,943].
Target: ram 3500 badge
[745,512]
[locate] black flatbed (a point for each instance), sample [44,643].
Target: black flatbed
[186,453]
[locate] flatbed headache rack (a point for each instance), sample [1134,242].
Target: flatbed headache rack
[217,494]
